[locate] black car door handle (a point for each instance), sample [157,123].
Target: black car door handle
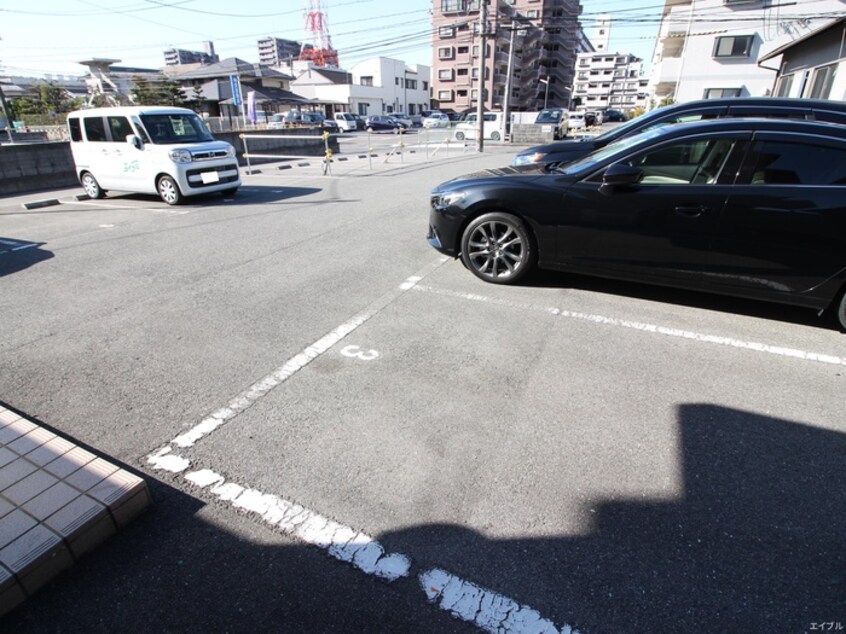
[692,212]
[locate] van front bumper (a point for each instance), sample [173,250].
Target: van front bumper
[208,177]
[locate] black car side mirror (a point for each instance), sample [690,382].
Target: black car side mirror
[135,141]
[619,176]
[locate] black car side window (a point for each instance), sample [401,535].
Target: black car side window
[796,163]
[692,161]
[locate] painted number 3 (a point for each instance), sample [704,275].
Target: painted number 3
[355,352]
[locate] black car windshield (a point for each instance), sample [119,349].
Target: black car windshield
[588,163]
[549,116]
[165,129]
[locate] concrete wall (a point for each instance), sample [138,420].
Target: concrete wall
[26,167]
[34,166]
[531,133]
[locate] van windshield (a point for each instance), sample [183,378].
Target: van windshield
[165,129]
[550,116]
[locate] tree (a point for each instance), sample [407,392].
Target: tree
[164,92]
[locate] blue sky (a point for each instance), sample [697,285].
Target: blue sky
[50,36]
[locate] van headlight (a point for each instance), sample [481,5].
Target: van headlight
[180,156]
[230,152]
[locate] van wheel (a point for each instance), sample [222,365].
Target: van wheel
[169,190]
[91,186]
[459,136]
[495,136]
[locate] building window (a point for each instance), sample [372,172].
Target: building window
[411,84]
[463,50]
[446,52]
[733,46]
[425,85]
[446,31]
[785,83]
[444,95]
[445,74]
[822,81]
[533,13]
[461,72]
[366,80]
[719,93]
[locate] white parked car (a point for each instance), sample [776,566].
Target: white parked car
[346,121]
[150,150]
[494,127]
[436,120]
[576,121]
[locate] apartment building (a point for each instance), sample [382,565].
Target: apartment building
[546,38]
[274,51]
[710,48]
[610,80]
[181,57]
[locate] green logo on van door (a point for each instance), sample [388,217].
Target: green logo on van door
[132,166]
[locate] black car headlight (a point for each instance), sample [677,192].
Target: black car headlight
[447,199]
[528,159]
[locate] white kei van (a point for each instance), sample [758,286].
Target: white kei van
[493,127]
[150,150]
[346,122]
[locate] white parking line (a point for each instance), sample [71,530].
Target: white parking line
[464,600]
[650,328]
[488,610]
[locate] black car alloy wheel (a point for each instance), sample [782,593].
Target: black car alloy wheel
[497,248]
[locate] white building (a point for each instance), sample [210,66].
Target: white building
[375,86]
[610,80]
[813,66]
[710,48]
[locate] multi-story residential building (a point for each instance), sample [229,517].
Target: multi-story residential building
[546,40]
[610,80]
[179,57]
[710,48]
[274,51]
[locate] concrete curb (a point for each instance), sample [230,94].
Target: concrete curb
[37,204]
[58,502]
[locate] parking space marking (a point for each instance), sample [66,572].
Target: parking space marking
[643,327]
[649,328]
[464,600]
[263,386]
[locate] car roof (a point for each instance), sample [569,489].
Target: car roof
[755,124]
[130,110]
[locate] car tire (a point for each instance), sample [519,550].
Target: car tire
[459,136]
[498,248]
[91,186]
[495,136]
[168,190]
[841,311]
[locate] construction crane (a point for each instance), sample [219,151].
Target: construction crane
[320,51]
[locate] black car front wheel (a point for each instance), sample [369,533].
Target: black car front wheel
[841,310]
[498,248]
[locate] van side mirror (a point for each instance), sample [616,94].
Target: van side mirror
[619,176]
[135,141]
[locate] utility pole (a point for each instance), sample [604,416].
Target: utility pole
[480,95]
[507,101]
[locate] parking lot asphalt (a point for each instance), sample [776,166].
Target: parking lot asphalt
[344,431]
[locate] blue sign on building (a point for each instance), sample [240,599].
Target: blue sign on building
[236,89]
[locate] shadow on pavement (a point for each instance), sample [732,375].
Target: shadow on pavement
[682,297]
[17,255]
[754,543]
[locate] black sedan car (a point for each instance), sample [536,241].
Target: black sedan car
[747,207]
[382,122]
[775,107]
